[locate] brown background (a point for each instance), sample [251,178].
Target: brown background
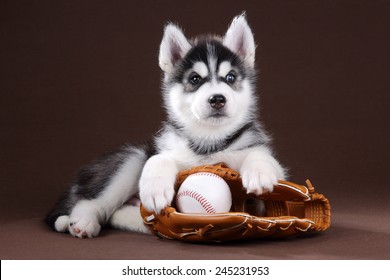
[78,78]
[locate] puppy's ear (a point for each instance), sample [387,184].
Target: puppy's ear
[173,48]
[239,39]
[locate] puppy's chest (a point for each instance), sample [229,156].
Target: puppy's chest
[179,149]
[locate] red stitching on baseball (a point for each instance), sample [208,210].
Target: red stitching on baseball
[198,197]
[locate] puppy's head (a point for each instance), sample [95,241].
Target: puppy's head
[208,81]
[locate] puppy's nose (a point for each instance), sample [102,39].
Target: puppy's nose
[217,101]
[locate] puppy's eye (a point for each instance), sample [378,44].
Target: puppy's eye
[230,78]
[194,79]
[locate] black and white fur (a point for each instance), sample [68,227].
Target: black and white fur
[208,91]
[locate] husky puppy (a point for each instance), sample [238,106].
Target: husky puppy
[208,92]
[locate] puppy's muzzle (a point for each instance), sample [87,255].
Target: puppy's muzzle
[217,101]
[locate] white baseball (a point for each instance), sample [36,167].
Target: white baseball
[204,192]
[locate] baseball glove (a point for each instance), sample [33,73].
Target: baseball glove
[291,209]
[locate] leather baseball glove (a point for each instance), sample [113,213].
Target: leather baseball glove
[291,209]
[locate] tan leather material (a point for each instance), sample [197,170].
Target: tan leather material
[291,209]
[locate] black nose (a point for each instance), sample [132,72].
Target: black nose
[217,101]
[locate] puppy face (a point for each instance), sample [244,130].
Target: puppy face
[209,80]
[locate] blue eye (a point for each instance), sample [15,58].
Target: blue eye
[194,79]
[230,78]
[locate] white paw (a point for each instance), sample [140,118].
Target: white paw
[84,226]
[259,178]
[156,192]
[62,223]
[157,183]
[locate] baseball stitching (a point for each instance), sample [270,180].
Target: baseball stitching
[198,197]
[207,174]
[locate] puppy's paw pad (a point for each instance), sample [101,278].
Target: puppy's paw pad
[84,227]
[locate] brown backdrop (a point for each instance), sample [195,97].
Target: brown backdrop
[78,78]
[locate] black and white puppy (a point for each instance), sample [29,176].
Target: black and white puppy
[211,106]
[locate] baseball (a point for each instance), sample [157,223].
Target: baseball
[204,192]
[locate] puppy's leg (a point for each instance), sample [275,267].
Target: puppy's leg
[101,188]
[128,217]
[157,182]
[260,171]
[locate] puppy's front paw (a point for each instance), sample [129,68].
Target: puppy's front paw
[156,193]
[84,226]
[259,178]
